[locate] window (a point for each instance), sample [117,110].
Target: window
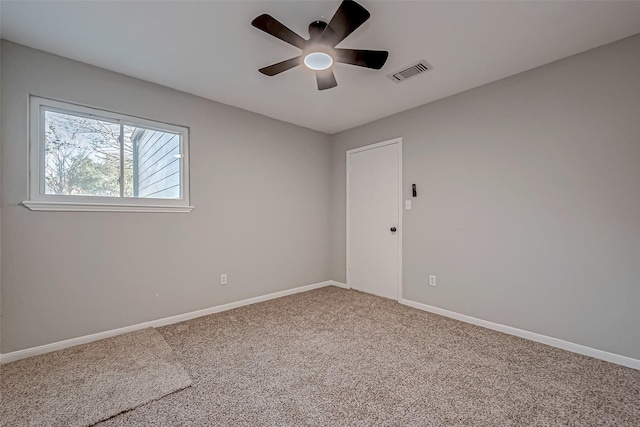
[84,159]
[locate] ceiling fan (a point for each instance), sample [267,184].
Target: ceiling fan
[319,52]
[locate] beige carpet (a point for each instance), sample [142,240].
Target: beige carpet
[333,357]
[83,385]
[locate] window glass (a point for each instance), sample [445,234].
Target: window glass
[155,162]
[81,155]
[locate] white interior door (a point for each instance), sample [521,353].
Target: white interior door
[374,218]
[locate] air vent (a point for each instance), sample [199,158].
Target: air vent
[411,71]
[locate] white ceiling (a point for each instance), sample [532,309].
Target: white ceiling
[211,50]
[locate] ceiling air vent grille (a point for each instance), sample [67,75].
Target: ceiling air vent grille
[414,70]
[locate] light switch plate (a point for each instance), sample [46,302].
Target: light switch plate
[407,205]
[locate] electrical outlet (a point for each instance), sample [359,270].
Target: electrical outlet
[432,281]
[223,279]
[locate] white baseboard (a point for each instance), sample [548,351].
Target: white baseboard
[554,342]
[339,284]
[34,351]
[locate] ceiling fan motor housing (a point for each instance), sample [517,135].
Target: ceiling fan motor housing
[316,28]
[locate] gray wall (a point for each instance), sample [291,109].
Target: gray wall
[528,207]
[0,196]
[261,189]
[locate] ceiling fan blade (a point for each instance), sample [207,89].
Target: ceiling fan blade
[326,79]
[363,58]
[278,68]
[349,16]
[270,25]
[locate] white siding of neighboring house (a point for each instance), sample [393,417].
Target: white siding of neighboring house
[157,170]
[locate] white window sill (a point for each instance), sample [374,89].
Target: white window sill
[102,207]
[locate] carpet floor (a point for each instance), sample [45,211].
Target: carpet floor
[333,357]
[82,385]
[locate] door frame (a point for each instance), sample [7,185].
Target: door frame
[397,141]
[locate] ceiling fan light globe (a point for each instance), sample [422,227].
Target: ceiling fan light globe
[318,61]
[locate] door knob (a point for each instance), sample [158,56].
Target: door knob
[393,229]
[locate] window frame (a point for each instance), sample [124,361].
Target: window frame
[38,200]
